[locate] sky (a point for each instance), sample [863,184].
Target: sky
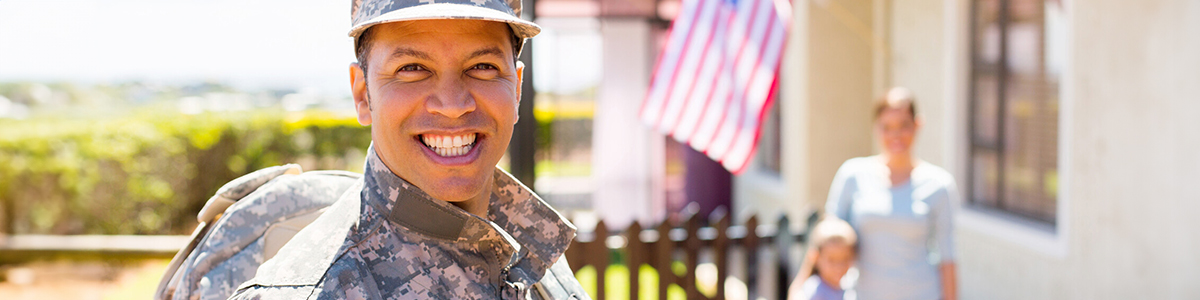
[248,44]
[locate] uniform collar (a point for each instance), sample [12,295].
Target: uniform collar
[515,214]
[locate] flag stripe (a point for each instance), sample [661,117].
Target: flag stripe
[743,75]
[754,86]
[762,89]
[691,62]
[709,73]
[718,114]
[737,169]
[680,34]
[747,141]
[716,78]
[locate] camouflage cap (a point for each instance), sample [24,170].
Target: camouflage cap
[366,13]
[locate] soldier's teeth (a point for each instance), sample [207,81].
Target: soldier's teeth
[449,145]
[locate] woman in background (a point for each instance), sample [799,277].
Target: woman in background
[902,209]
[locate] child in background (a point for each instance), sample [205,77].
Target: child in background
[831,253]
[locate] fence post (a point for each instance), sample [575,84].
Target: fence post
[6,216]
[598,251]
[692,249]
[574,254]
[635,252]
[783,245]
[813,218]
[720,247]
[662,256]
[750,245]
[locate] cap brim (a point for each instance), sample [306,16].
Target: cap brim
[441,11]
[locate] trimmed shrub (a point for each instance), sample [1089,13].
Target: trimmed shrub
[150,172]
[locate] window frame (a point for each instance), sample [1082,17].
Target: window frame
[977,145]
[1024,232]
[769,154]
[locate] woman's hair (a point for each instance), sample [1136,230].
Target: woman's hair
[896,98]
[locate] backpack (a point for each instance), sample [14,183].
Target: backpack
[245,224]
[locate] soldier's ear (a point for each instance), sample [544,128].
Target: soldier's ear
[358,90]
[520,81]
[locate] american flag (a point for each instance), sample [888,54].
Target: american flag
[717,75]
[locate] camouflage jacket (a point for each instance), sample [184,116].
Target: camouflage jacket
[392,241]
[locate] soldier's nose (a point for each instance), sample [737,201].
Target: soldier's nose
[451,100]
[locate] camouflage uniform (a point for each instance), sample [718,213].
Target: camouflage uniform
[261,205]
[386,239]
[364,14]
[392,241]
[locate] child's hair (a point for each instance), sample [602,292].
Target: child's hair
[833,230]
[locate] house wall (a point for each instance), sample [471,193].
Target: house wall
[1128,155]
[826,87]
[840,89]
[1132,94]
[916,62]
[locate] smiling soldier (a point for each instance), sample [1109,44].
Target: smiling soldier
[433,218]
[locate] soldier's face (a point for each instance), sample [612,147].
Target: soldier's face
[441,98]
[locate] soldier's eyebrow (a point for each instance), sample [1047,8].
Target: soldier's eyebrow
[487,51]
[401,52]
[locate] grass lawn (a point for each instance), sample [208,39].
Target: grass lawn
[138,281]
[617,283]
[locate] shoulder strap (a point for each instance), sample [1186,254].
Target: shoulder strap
[225,197]
[558,283]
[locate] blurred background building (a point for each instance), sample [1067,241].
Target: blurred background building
[1066,123]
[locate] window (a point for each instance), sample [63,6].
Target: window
[770,140]
[1016,63]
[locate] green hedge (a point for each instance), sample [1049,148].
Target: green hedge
[150,172]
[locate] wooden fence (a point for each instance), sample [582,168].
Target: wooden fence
[766,255]
[25,248]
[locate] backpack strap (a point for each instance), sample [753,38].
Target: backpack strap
[558,283]
[231,192]
[226,196]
